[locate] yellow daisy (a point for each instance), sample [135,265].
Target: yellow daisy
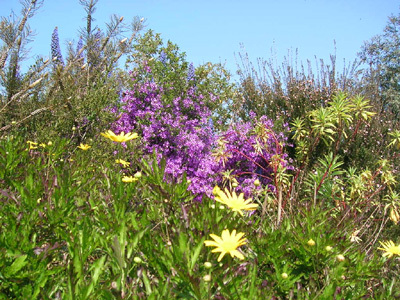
[233,201]
[227,243]
[216,190]
[124,163]
[122,137]
[390,248]
[84,147]
[32,145]
[129,179]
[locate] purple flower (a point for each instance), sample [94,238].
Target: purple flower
[190,74]
[163,57]
[179,129]
[55,48]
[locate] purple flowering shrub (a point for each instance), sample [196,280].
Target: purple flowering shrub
[252,151]
[180,131]
[164,63]
[175,108]
[177,131]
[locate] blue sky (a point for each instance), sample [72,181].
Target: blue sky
[215,30]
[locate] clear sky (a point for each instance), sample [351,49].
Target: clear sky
[214,30]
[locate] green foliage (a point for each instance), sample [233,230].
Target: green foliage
[381,53]
[74,95]
[72,229]
[336,125]
[170,69]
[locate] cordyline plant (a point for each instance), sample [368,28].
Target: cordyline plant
[324,178]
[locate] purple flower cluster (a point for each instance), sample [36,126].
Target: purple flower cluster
[179,128]
[173,130]
[190,74]
[254,151]
[55,48]
[163,58]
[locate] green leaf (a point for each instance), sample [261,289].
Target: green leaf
[97,269]
[137,237]
[182,243]
[17,265]
[196,253]
[118,253]
[146,282]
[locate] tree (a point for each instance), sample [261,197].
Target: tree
[382,54]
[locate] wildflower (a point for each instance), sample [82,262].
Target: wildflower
[284,275]
[50,143]
[138,174]
[32,145]
[256,182]
[207,265]
[43,145]
[84,147]
[55,48]
[227,243]
[340,257]
[328,248]
[216,190]
[163,58]
[311,242]
[124,163]
[390,249]
[236,203]
[129,179]
[207,278]
[190,74]
[122,137]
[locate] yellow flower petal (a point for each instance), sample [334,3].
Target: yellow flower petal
[124,163]
[84,147]
[390,249]
[122,137]
[233,201]
[129,179]
[227,243]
